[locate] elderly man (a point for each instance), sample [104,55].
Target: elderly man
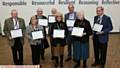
[70,15]
[16,43]
[100,38]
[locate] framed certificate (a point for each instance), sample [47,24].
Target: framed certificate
[37,35]
[43,22]
[97,27]
[58,33]
[70,23]
[16,33]
[77,31]
[51,19]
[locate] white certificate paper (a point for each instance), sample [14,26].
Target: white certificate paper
[70,23]
[97,27]
[51,19]
[58,33]
[37,35]
[77,31]
[16,33]
[43,22]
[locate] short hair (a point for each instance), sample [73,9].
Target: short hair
[14,10]
[71,4]
[102,8]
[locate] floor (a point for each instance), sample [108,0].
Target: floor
[113,54]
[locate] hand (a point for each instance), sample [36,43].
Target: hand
[84,33]
[100,32]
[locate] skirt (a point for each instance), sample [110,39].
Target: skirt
[80,50]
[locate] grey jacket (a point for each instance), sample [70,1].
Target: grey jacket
[29,31]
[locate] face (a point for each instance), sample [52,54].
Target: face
[39,12]
[14,14]
[33,20]
[59,18]
[80,15]
[99,11]
[71,8]
[54,11]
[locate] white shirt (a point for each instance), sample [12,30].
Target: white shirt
[16,23]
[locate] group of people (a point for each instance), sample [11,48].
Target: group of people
[78,46]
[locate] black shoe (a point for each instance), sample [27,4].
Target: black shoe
[102,66]
[84,63]
[61,61]
[68,59]
[42,57]
[76,66]
[56,61]
[52,58]
[95,64]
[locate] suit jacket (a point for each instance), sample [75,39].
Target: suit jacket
[9,25]
[107,27]
[67,17]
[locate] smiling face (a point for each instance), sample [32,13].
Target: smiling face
[14,13]
[33,20]
[59,17]
[80,15]
[39,11]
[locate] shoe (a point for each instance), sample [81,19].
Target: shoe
[68,59]
[95,64]
[76,65]
[52,58]
[61,61]
[56,61]
[102,66]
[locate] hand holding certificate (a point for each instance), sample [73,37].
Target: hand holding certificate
[97,27]
[16,33]
[51,19]
[43,22]
[70,23]
[37,35]
[58,33]
[77,31]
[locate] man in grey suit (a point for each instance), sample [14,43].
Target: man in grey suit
[15,23]
[68,16]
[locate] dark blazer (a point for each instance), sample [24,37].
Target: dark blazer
[67,16]
[107,27]
[87,29]
[61,25]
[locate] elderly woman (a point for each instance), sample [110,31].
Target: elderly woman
[81,43]
[35,44]
[58,43]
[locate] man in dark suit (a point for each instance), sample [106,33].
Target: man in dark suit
[14,23]
[70,15]
[100,39]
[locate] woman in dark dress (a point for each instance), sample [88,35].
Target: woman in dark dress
[81,44]
[58,43]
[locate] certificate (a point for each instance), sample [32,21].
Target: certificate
[16,33]
[58,33]
[51,19]
[97,27]
[77,31]
[43,22]
[70,23]
[37,35]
